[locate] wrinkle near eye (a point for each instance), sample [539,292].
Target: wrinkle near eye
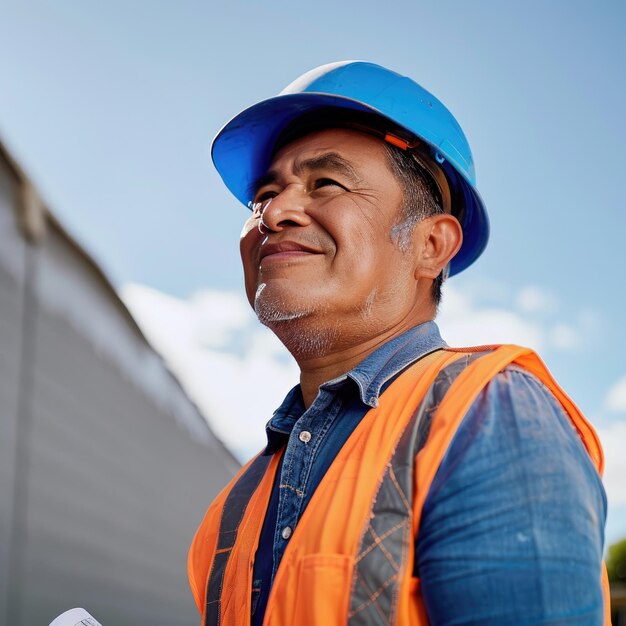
[368,194]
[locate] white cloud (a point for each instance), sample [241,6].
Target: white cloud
[533,299]
[218,315]
[616,398]
[464,322]
[235,370]
[613,437]
[564,337]
[526,318]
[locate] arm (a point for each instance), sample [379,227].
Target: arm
[513,527]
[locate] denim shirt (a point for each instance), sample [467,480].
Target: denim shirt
[512,530]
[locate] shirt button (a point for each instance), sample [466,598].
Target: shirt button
[286,532]
[305,436]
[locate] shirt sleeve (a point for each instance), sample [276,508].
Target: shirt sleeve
[512,529]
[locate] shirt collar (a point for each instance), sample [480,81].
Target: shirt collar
[390,359]
[370,377]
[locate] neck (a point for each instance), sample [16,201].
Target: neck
[316,369]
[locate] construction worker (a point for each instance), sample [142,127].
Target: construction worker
[403,481]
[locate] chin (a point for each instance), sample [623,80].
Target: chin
[298,325]
[272,309]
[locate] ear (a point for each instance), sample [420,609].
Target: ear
[440,237]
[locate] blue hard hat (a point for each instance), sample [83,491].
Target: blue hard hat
[243,149]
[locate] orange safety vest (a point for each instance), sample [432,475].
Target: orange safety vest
[373,492]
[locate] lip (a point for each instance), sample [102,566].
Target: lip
[284,250]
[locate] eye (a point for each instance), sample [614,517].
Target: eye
[260,202]
[326,182]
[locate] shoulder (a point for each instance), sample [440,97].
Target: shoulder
[517,430]
[486,375]
[515,410]
[518,405]
[517,506]
[509,383]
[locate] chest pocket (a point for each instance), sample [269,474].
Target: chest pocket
[322,589]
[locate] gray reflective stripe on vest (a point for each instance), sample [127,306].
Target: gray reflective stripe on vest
[382,553]
[232,514]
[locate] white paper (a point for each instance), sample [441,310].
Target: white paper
[75,617]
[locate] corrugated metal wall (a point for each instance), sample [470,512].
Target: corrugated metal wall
[106,467]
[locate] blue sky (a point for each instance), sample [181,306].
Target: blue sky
[110,108]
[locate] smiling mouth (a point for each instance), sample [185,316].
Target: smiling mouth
[285,251]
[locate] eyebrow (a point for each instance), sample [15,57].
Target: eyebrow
[329,161]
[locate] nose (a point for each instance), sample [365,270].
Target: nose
[287,209]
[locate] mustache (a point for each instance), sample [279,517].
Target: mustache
[315,241]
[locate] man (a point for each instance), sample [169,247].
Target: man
[404,482]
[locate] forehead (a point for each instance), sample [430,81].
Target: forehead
[361,150]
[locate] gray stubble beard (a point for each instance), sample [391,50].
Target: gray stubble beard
[290,328]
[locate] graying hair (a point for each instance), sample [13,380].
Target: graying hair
[421,199]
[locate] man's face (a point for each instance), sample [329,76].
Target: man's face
[326,252]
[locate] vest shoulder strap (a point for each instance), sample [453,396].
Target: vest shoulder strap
[382,554]
[222,527]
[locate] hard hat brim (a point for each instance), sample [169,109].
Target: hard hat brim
[243,148]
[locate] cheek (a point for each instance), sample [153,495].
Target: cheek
[248,226]
[361,242]
[247,244]
[248,239]
[372,258]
